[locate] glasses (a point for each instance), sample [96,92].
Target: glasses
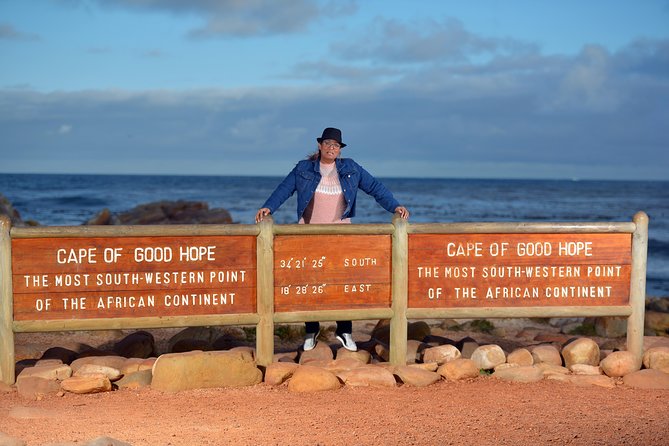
[330,143]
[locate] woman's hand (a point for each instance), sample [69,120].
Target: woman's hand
[262,213]
[402,211]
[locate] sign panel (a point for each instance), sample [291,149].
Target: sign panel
[518,270]
[88,278]
[331,272]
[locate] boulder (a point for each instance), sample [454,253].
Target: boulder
[584,369]
[322,351]
[312,379]
[552,369]
[278,372]
[35,388]
[87,384]
[202,337]
[415,376]
[368,376]
[523,374]
[581,351]
[198,370]
[135,380]
[6,208]
[414,351]
[140,344]
[657,358]
[459,369]
[468,348]
[488,356]
[546,354]
[362,356]
[441,354]
[657,322]
[611,327]
[92,369]
[418,330]
[619,364]
[53,372]
[647,379]
[593,380]
[521,357]
[65,355]
[115,362]
[164,213]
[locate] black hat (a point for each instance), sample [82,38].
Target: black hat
[331,133]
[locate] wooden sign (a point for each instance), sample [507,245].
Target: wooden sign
[330,272]
[518,270]
[84,278]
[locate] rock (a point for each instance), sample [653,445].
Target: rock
[382,352]
[546,354]
[115,362]
[6,440]
[341,365]
[416,377]
[6,388]
[550,338]
[523,374]
[521,357]
[200,336]
[6,208]
[173,372]
[136,345]
[418,331]
[584,369]
[92,369]
[322,351]
[135,380]
[414,351]
[441,354]
[619,364]
[165,213]
[362,356]
[459,369]
[647,379]
[106,441]
[552,369]
[488,356]
[65,355]
[657,358]
[581,351]
[53,372]
[657,322]
[248,353]
[655,341]
[369,376]
[312,379]
[87,384]
[35,388]
[611,327]
[285,356]
[278,372]
[189,345]
[593,380]
[468,348]
[429,366]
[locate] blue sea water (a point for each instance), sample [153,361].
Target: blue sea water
[73,199]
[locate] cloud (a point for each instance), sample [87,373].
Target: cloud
[64,129]
[8,32]
[427,41]
[516,115]
[243,18]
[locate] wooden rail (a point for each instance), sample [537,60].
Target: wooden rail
[126,277]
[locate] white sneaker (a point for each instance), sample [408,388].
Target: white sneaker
[347,341]
[310,341]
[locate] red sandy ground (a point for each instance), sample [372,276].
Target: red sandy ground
[483,411]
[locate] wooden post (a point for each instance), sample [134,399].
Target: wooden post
[400,281]
[635,322]
[6,303]
[265,293]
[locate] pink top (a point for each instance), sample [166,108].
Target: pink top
[328,204]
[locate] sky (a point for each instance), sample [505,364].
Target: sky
[567,89]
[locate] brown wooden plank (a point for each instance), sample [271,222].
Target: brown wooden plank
[521,249]
[330,272]
[87,255]
[92,305]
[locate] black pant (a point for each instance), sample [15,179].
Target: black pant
[342,327]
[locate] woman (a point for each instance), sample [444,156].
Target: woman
[326,187]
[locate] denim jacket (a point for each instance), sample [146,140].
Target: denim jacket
[306,175]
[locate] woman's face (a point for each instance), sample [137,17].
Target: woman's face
[330,150]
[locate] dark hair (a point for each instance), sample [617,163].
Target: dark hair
[314,156]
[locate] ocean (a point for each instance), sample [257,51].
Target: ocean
[72,199]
